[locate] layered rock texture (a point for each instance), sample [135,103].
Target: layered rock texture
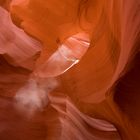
[69,69]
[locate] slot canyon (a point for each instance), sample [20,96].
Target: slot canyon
[69,69]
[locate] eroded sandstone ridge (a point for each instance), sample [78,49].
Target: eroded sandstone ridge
[69,69]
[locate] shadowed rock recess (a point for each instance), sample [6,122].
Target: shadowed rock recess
[69,69]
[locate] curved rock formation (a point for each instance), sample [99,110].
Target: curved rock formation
[69,69]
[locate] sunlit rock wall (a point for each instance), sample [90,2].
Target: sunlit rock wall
[69,70]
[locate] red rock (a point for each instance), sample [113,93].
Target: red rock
[69,70]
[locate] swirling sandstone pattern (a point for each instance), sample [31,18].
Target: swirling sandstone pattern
[69,69]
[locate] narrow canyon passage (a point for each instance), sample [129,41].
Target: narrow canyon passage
[69,69]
